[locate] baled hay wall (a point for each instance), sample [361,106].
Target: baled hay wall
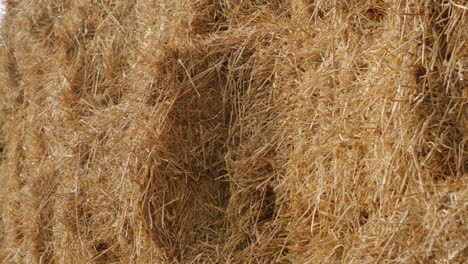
[233,131]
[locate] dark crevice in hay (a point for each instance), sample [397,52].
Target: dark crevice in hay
[104,253]
[375,14]
[46,242]
[202,104]
[268,204]
[419,75]
[14,77]
[128,232]
[363,217]
[444,132]
[189,191]
[72,51]
[360,70]
[84,155]
[88,221]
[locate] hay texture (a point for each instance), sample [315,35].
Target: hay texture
[234,131]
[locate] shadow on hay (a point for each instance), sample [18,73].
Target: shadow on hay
[188,191]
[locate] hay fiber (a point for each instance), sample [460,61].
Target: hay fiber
[234,131]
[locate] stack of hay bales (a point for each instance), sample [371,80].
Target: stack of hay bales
[233,131]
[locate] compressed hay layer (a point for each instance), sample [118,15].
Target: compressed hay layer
[233,131]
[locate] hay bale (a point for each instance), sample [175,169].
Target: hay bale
[233,131]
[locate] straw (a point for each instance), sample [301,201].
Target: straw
[233,132]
